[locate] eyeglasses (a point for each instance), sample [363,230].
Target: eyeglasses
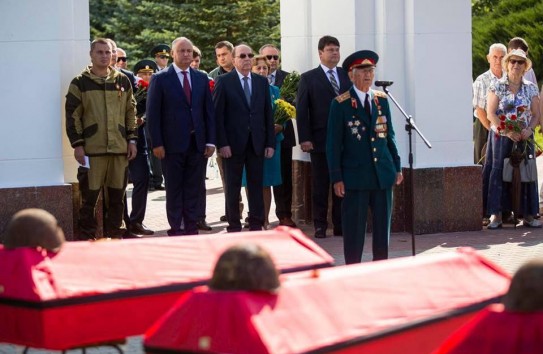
[274,57]
[122,59]
[163,56]
[243,55]
[519,62]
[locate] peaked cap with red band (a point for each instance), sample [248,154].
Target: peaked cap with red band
[360,59]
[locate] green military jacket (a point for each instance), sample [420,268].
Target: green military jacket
[101,113]
[361,149]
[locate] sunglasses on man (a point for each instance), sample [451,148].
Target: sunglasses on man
[274,57]
[122,59]
[243,55]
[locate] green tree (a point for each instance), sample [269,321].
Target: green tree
[497,21]
[138,25]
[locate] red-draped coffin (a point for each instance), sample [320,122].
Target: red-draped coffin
[93,292]
[406,305]
[496,331]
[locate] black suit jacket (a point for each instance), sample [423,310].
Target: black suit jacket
[169,114]
[280,77]
[315,94]
[236,120]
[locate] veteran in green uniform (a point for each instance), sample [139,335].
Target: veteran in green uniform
[363,158]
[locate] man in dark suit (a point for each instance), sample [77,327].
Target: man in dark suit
[181,121]
[138,168]
[245,135]
[363,158]
[316,90]
[283,192]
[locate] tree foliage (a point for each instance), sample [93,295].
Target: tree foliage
[497,21]
[138,25]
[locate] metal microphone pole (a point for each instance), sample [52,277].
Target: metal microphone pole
[409,127]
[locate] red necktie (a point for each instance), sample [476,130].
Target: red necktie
[186,86]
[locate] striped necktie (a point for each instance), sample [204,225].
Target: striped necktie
[333,81]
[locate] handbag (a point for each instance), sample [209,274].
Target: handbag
[527,167]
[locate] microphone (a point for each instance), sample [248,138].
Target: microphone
[383,83]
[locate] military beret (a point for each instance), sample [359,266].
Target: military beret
[161,49]
[360,59]
[145,66]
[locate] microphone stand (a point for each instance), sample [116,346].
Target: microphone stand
[409,127]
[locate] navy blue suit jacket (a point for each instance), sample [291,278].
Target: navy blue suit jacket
[169,112]
[313,99]
[236,120]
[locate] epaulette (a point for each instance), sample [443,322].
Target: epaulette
[379,93]
[344,96]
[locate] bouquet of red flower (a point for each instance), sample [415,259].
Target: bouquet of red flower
[141,92]
[513,121]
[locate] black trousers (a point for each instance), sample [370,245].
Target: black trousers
[233,170]
[138,170]
[201,211]
[320,189]
[183,174]
[283,192]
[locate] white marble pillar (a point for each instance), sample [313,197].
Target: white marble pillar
[43,45]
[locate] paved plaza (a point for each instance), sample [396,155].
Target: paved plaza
[508,247]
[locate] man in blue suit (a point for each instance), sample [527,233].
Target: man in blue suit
[363,158]
[316,90]
[181,121]
[245,135]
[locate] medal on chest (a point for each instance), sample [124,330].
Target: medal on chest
[381,128]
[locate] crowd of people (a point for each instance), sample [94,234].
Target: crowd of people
[158,125]
[508,109]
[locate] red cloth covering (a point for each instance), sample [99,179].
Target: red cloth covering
[366,308]
[100,291]
[497,331]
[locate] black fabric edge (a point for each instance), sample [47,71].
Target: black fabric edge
[124,294]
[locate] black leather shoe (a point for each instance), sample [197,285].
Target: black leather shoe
[140,229]
[179,232]
[159,187]
[129,235]
[203,225]
[320,233]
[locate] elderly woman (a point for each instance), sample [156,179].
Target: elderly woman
[272,166]
[512,102]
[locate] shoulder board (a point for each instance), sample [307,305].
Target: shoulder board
[344,96]
[379,93]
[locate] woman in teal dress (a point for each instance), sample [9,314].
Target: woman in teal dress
[272,167]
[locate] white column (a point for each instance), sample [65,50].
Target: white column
[424,47]
[43,45]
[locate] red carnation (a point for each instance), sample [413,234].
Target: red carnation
[211,85]
[502,118]
[511,127]
[502,125]
[513,117]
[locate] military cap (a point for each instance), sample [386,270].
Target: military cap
[360,59]
[145,66]
[161,49]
